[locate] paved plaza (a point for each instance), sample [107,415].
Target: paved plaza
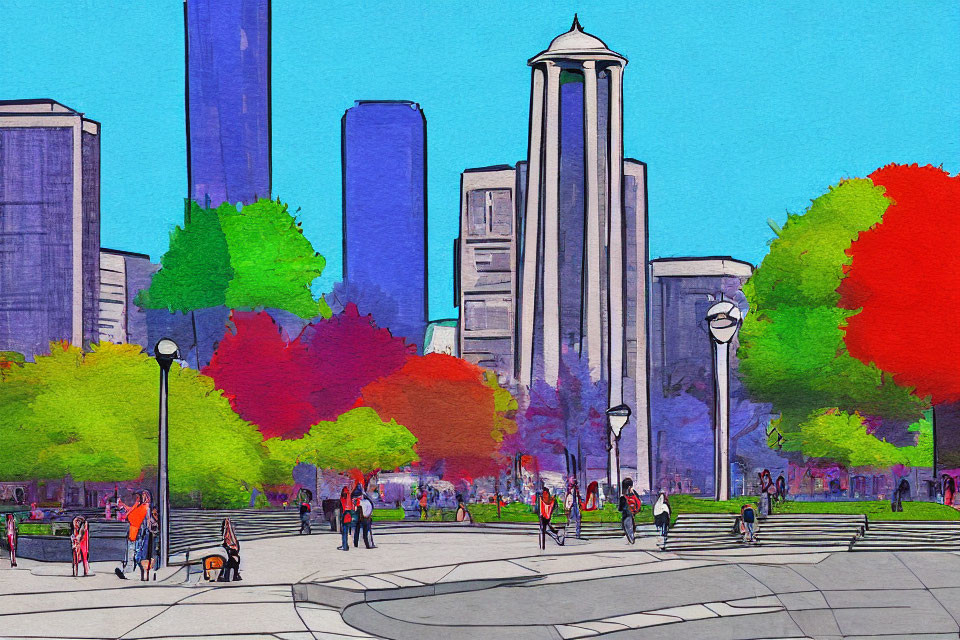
[465,585]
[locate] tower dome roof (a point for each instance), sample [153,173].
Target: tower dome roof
[576,40]
[577,44]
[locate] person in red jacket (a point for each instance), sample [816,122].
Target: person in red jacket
[545,506]
[346,519]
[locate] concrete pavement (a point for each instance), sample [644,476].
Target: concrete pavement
[474,586]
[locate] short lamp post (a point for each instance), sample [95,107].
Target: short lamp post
[723,319]
[166,352]
[617,418]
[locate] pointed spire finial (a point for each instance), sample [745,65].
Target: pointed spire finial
[576,24]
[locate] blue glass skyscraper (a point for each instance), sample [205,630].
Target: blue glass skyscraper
[385,211]
[228,100]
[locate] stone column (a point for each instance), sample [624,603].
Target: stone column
[615,232]
[593,329]
[531,234]
[615,237]
[551,228]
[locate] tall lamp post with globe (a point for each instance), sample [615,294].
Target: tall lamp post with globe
[723,319]
[617,418]
[166,352]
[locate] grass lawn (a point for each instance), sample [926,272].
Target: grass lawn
[874,510]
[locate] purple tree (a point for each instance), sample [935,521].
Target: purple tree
[564,424]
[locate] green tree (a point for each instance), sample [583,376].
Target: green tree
[195,271]
[792,352]
[93,416]
[255,257]
[357,439]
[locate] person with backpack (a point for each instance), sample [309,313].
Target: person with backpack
[629,505]
[305,511]
[748,520]
[661,516]
[363,518]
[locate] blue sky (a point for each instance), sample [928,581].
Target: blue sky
[743,111]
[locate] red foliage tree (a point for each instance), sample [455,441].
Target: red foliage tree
[445,403]
[346,352]
[265,376]
[285,386]
[905,278]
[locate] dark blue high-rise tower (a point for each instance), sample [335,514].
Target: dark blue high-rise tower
[385,211]
[228,100]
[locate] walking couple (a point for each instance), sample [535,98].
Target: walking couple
[356,513]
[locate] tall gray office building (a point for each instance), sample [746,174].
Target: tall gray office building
[570,275]
[49,226]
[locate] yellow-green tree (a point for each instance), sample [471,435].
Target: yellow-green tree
[357,439]
[93,416]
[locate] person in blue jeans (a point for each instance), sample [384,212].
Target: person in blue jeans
[748,516]
[346,519]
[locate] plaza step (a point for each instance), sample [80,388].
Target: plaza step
[695,532]
[200,528]
[908,535]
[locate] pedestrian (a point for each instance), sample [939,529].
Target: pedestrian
[12,539]
[949,489]
[305,512]
[134,517]
[346,519]
[231,545]
[35,512]
[767,489]
[661,516]
[902,490]
[147,536]
[362,517]
[423,504]
[545,506]
[80,545]
[573,506]
[781,488]
[463,514]
[629,505]
[748,518]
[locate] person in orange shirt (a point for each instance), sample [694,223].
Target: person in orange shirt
[134,518]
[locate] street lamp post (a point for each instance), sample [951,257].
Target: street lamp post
[166,352]
[723,318]
[617,418]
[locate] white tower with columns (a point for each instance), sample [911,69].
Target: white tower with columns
[584,249]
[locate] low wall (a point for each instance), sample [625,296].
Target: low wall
[105,548]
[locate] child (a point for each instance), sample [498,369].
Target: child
[12,539]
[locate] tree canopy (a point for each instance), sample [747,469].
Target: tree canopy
[286,385]
[902,288]
[93,416]
[247,258]
[357,439]
[792,350]
[458,414]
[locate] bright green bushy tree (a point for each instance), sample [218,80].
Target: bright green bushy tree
[93,416]
[792,351]
[248,258]
[357,439]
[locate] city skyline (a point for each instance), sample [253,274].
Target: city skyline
[837,101]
